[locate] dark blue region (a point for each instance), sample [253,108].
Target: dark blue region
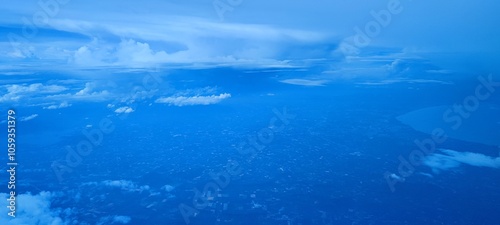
[325,167]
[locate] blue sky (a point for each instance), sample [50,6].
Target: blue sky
[253,33]
[74,41]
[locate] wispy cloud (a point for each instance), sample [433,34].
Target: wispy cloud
[305,82]
[60,106]
[27,118]
[403,80]
[193,100]
[450,159]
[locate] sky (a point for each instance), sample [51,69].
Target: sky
[380,42]
[452,35]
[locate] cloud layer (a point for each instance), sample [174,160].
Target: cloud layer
[94,34]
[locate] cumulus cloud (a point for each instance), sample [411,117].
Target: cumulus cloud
[124,109]
[193,100]
[129,53]
[85,56]
[305,82]
[450,159]
[35,209]
[148,41]
[16,92]
[60,106]
[26,118]
[42,94]
[90,92]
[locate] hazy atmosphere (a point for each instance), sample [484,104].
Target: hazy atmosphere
[249,112]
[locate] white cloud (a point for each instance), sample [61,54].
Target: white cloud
[37,87]
[125,185]
[121,219]
[34,209]
[26,118]
[128,53]
[91,92]
[411,81]
[305,82]
[60,106]
[147,40]
[168,188]
[440,162]
[56,96]
[124,109]
[132,52]
[452,159]
[195,27]
[84,56]
[114,220]
[16,92]
[87,90]
[193,100]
